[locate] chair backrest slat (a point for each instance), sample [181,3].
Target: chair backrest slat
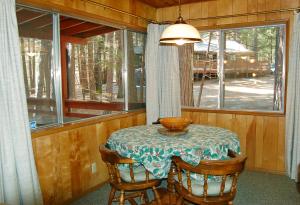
[111,172]
[234,183]
[117,173]
[205,186]
[179,176]
[131,173]
[224,177]
[189,181]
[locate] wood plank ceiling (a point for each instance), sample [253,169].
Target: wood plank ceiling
[166,3]
[34,24]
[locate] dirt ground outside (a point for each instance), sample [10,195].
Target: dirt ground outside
[254,93]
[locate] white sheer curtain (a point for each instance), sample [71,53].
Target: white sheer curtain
[293,104]
[18,177]
[162,77]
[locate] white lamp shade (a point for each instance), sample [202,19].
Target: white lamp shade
[180,33]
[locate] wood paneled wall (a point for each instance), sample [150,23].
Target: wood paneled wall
[262,137]
[64,156]
[89,11]
[227,8]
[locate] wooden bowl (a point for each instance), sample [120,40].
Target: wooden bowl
[175,123]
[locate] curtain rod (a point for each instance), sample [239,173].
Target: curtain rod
[120,11]
[297,9]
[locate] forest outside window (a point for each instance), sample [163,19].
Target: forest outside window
[95,72]
[74,69]
[239,69]
[36,41]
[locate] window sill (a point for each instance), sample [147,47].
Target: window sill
[239,112]
[52,129]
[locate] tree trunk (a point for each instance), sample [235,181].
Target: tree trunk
[277,101]
[71,74]
[44,81]
[132,94]
[255,41]
[24,67]
[83,71]
[204,71]
[109,62]
[91,76]
[48,78]
[42,67]
[186,74]
[31,65]
[119,65]
[97,65]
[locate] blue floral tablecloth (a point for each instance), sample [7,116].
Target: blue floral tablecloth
[154,150]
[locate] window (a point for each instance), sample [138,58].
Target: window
[36,41]
[240,69]
[105,70]
[205,69]
[95,75]
[75,69]
[136,69]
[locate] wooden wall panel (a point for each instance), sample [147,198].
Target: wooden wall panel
[228,8]
[64,156]
[87,10]
[261,137]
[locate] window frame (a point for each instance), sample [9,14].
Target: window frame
[60,76]
[221,29]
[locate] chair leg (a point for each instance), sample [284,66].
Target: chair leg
[144,198]
[132,201]
[179,201]
[122,197]
[111,195]
[156,195]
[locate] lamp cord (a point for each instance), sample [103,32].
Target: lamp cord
[179,8]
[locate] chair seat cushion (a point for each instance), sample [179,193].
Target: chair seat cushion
[214,187]
[139,174]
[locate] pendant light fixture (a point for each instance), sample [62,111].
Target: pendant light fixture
[180,32]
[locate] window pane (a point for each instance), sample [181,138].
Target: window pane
[253,65]
[35,31]
[206,82]
[136,70]
[95,84]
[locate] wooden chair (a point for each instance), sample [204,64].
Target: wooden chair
[206,191]
[133,179]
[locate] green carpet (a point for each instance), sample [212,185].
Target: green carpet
[254,188]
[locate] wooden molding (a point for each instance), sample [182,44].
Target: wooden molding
[81,123]
[238,112]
